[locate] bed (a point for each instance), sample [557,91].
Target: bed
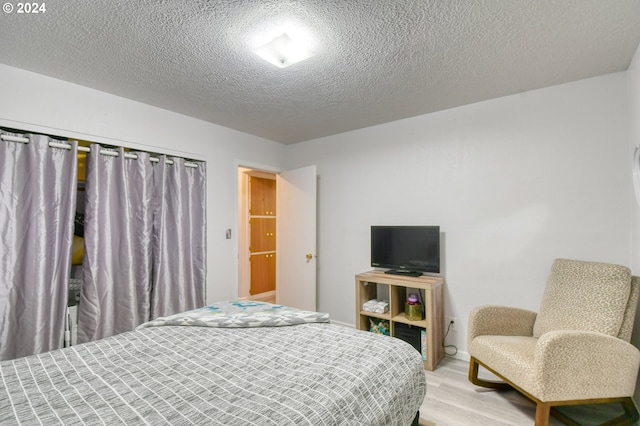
[233,363]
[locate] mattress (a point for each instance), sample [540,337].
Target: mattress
[301,374]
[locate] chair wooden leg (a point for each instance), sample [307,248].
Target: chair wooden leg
[473,378]
[543,411]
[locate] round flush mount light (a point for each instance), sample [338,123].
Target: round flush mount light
[282,51]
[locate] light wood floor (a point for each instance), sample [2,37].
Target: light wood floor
[452,400]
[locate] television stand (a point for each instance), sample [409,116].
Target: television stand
[394,288]
[403,272]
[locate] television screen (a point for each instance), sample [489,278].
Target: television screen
[406,249]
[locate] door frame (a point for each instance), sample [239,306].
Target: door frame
[235,240]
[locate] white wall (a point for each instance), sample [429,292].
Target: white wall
[37,103]
[513,182]
[633,75]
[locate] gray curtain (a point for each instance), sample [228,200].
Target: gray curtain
[117,264]
[37,208]
[179,237]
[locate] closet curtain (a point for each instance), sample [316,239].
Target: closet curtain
[144,242]
[179,237]
[37,209]
[118,226]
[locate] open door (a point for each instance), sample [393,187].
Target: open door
[296,230]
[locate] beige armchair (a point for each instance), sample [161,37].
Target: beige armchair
[575,351]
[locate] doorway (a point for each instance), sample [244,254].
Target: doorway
[257,238]
[288,251]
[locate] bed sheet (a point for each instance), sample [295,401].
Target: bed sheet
[308,374]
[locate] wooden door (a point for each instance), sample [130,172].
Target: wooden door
[263,197]
[263,234]
[296,270]
[263,273]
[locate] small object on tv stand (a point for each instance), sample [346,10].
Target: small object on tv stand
[413,308]
[377,306]
[403,272]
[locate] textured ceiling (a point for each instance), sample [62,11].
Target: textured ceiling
[376,61]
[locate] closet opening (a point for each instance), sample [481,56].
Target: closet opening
[119,190]
[77,253]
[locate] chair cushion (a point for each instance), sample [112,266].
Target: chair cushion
[510,356]
[579,295]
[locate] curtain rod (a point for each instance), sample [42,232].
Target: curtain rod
[64,145]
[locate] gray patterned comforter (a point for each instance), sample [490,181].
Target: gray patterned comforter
[308,374]
[241,313]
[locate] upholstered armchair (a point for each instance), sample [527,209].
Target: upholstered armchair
[574,351]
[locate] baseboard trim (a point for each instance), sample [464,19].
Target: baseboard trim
[344,324]
[461,355]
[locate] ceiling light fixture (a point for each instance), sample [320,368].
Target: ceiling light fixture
[282,51]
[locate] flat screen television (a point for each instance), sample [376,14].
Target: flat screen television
[406,250]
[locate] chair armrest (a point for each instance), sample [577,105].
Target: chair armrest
[573,364]
[500,321]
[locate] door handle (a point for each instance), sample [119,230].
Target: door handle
[309,256]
